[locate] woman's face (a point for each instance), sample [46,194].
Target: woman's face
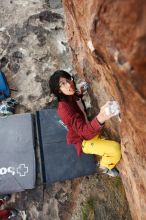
[66,86]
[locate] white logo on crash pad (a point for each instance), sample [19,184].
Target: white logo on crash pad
[21,170]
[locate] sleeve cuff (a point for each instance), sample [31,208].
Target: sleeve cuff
[102,124]
[96,125]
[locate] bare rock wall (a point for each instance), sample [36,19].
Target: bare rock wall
[108,44]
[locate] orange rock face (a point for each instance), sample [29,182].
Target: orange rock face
[108,43]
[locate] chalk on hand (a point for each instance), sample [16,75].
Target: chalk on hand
[112,108]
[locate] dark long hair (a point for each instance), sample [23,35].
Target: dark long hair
[54,83]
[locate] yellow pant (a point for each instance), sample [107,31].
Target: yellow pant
[109,150]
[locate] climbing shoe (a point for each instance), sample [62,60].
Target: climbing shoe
[104,170]
[113,172]
[13,213]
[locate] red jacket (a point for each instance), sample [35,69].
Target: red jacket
[78,128]
[4,214]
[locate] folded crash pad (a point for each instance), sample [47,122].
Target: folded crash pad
[17,158]
[59,159]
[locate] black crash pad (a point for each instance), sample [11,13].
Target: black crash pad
[59,160]
[17,159]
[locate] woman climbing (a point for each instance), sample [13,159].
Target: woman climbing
[84,134]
